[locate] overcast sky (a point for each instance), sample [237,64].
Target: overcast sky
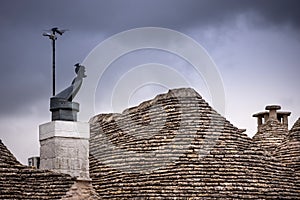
[254,44]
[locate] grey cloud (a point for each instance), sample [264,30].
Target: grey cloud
[117,15]
[25,54]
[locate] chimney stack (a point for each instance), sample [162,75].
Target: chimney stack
[272,113]
[65,148]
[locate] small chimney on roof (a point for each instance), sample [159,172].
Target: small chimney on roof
[272,113]
[34,162]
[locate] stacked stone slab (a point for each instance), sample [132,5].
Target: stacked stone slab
[81,190]
[21,182]
[289,151]
[270,135]
[177,147]
[273,131]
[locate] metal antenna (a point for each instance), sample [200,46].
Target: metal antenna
[52,36]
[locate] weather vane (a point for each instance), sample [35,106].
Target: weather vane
[52,36]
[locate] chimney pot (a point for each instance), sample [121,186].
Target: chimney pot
[273,114]
[273,111]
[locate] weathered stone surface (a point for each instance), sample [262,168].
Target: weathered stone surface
[81,190]
[177,147]
[21,182]
[289,150]
[270,135]
[64,129]
[172,147]
[272,128]
[65,148]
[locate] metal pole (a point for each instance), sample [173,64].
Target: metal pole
[53,66]
[52,37]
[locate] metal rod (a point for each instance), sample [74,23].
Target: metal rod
[53,37]
[53,66]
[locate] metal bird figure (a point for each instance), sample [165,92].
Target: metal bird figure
[53,31]
[59,31]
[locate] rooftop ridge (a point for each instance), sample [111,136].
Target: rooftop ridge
[175,93]
[6,157]
[296,126]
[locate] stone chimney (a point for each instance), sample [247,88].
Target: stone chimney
[65,148]
[272,113]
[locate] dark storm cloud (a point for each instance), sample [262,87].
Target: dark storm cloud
[280,12]
[115,15]
[25,54]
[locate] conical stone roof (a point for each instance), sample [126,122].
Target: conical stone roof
[6,157]
[21,182]
[296,126]
[177,146]
[289,151]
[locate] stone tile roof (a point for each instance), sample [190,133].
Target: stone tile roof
[270,135]
[6,157]
[174,146]
[21,182]
[289,151]
[296,126]
[82,189]
[177,146]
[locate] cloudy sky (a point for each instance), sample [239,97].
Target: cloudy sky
[255,46]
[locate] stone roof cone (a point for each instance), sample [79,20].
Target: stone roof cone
[6,157]
[174,146]
[22,182]
[289,151]
[296,126]
[177,146]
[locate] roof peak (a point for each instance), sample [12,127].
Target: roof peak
[173,93]
[296,125]
[6,157]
